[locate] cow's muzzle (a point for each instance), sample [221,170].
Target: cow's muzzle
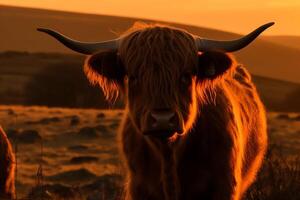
[163,123]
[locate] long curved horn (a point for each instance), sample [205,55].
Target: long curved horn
[230,45]
[81,47]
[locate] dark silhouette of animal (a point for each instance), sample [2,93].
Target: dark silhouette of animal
[194,126]
[7,168]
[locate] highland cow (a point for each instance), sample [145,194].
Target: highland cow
[7,168]
[194,126]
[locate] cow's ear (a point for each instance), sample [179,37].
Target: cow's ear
[213,64]
[106,70]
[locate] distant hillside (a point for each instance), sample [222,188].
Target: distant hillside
[286,40]
[278,95]
[58,80]
[18,33]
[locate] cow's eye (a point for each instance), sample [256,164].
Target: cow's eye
[186,79]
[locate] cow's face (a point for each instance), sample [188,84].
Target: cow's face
[161,73]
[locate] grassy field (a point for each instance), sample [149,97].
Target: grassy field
[72,154]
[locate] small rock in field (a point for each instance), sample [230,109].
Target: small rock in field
[72,176]
[78,148]
[100,115]
[283,116]
[29,136]
[297,118]
[75,120]
[114,125]
[45,121]
[11,112]
[88,132]
[108,186]
[49,120]
[53,192]
[12,133]
[102,128]
[83,159]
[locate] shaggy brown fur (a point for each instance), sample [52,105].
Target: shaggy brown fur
[7,168]
[224,140]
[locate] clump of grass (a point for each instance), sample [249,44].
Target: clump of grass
[279,178]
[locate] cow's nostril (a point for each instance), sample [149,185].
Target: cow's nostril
[173,120]
[152,120]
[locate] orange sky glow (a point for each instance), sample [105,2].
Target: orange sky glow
[229,15]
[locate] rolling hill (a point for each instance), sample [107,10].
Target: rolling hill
[286,40]
[18,33]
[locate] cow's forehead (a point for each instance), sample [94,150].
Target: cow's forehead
[158,48]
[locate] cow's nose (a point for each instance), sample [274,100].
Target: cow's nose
[163,122]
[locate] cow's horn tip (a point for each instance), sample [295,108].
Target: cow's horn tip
[270,23]
[42,29]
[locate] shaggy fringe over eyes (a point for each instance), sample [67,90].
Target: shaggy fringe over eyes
[158,55]
[109,87]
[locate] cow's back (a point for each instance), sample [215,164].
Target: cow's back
[248,111]
[253,118]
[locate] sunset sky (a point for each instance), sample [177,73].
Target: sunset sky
[231,15]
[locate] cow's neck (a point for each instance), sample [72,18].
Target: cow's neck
[169,174]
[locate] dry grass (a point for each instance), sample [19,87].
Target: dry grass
[279,178]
